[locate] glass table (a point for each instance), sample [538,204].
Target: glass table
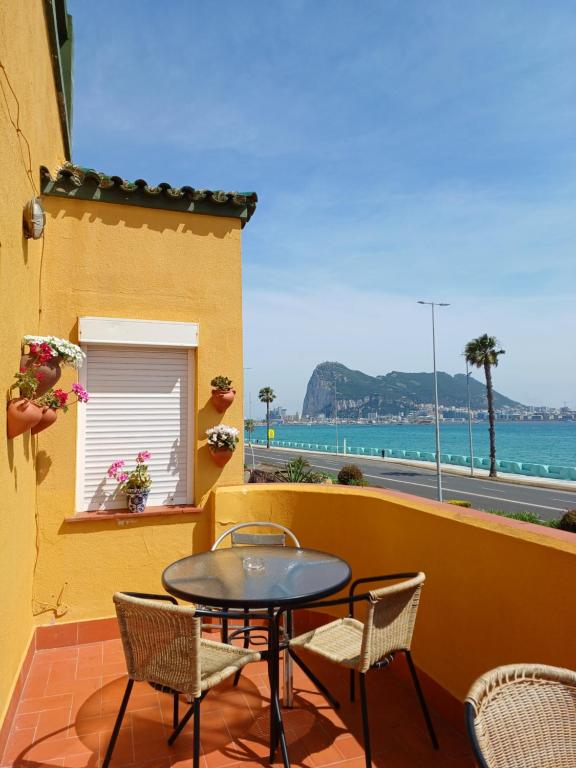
[268,578]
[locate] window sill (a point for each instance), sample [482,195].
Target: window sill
[103,515]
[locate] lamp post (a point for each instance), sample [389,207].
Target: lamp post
[432,305]
[336,417]
[469,421]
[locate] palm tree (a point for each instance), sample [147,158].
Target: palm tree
[267,395]
[482,353]
[249,427]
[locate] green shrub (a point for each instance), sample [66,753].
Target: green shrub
[527,517]
[223,383]
[297,471]
[350,474]
[460,503]
[568,521]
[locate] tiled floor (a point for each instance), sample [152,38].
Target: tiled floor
[71,697]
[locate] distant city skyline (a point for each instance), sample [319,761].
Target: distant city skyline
[400,151]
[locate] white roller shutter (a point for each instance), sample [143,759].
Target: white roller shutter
[139,400]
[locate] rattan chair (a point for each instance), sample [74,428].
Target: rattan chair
[523,716]
[372,644]
[238,538]
[163,646]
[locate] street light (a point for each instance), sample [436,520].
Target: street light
[469,420]
[336,417]
[433,304]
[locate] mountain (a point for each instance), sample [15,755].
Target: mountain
[359,394]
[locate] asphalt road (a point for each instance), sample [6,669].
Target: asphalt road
[486,494]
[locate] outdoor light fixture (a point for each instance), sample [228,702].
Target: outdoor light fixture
[34,219]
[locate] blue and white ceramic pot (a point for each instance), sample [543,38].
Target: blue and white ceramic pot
[137,500]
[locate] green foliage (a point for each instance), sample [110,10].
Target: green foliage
[297,471]
[266,395]
[568,521]
[27,382]
[460,503]
[482,351]
[223,383]
[351,474]
[526,517]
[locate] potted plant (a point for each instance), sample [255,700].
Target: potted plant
[222,441]
[57,400]
[135,484]
[222,393]
[21,412]
[46,354]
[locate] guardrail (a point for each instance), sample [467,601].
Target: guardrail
[528,469]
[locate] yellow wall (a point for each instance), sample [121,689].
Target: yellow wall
[113,260]
[24,53]
[496,592]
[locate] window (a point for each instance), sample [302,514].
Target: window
[141,398]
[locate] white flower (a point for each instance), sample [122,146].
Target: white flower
[222,436]
[71,353]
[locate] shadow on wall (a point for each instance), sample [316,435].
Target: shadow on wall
[137,217]
[43,464]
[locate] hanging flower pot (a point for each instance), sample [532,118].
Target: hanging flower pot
[47,373]
[137,499]
[222,393]
[222,399]
[49,416]
[21,415]
[221,456]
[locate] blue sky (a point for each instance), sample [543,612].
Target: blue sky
[401,150]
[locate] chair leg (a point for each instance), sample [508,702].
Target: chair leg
[224,635]
[352,685]
[422,700]
[321,687]
[196,761]
[288,673]
[178,730]
[365,723]
[246,644]
[175,711]
[117,724]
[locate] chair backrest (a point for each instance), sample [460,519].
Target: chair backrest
[161,642]
[257,539]
[390,620]
[523,716]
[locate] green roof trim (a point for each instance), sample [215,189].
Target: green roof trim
[60,33]
[76,182]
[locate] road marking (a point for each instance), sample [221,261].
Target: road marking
[450,490]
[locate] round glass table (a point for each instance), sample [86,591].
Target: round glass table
[256,577]
[270,578]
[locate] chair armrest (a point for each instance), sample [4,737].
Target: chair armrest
[371,579]
[324,603]
[150,596]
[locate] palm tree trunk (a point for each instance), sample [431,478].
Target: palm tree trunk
[267,425]
[491,418]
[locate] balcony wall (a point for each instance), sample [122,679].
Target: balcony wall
[497,591]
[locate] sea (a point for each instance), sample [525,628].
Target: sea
[544,442]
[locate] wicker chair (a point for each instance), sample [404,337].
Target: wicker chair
[238,538]
[523,716]
[372,644]
[163,646]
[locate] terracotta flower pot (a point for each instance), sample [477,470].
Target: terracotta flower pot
[221,456]
[50,372]
[21,415]
[222,399]
[49,416]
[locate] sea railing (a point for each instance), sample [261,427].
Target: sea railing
[528,469]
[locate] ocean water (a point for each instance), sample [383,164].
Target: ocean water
[539,442]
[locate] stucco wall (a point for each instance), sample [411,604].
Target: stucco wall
[24,53]
[497,591]
[113,260]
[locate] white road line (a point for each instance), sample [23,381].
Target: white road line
[450,490]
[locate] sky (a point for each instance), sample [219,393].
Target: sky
[400,149]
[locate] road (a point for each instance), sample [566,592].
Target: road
[547,503]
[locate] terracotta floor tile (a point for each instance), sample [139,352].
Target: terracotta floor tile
[45,702]
[17,741]
[58,654]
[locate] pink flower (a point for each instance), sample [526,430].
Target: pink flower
[61,396]
[115,467]
[80,393]
[143,456]
[122,477]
